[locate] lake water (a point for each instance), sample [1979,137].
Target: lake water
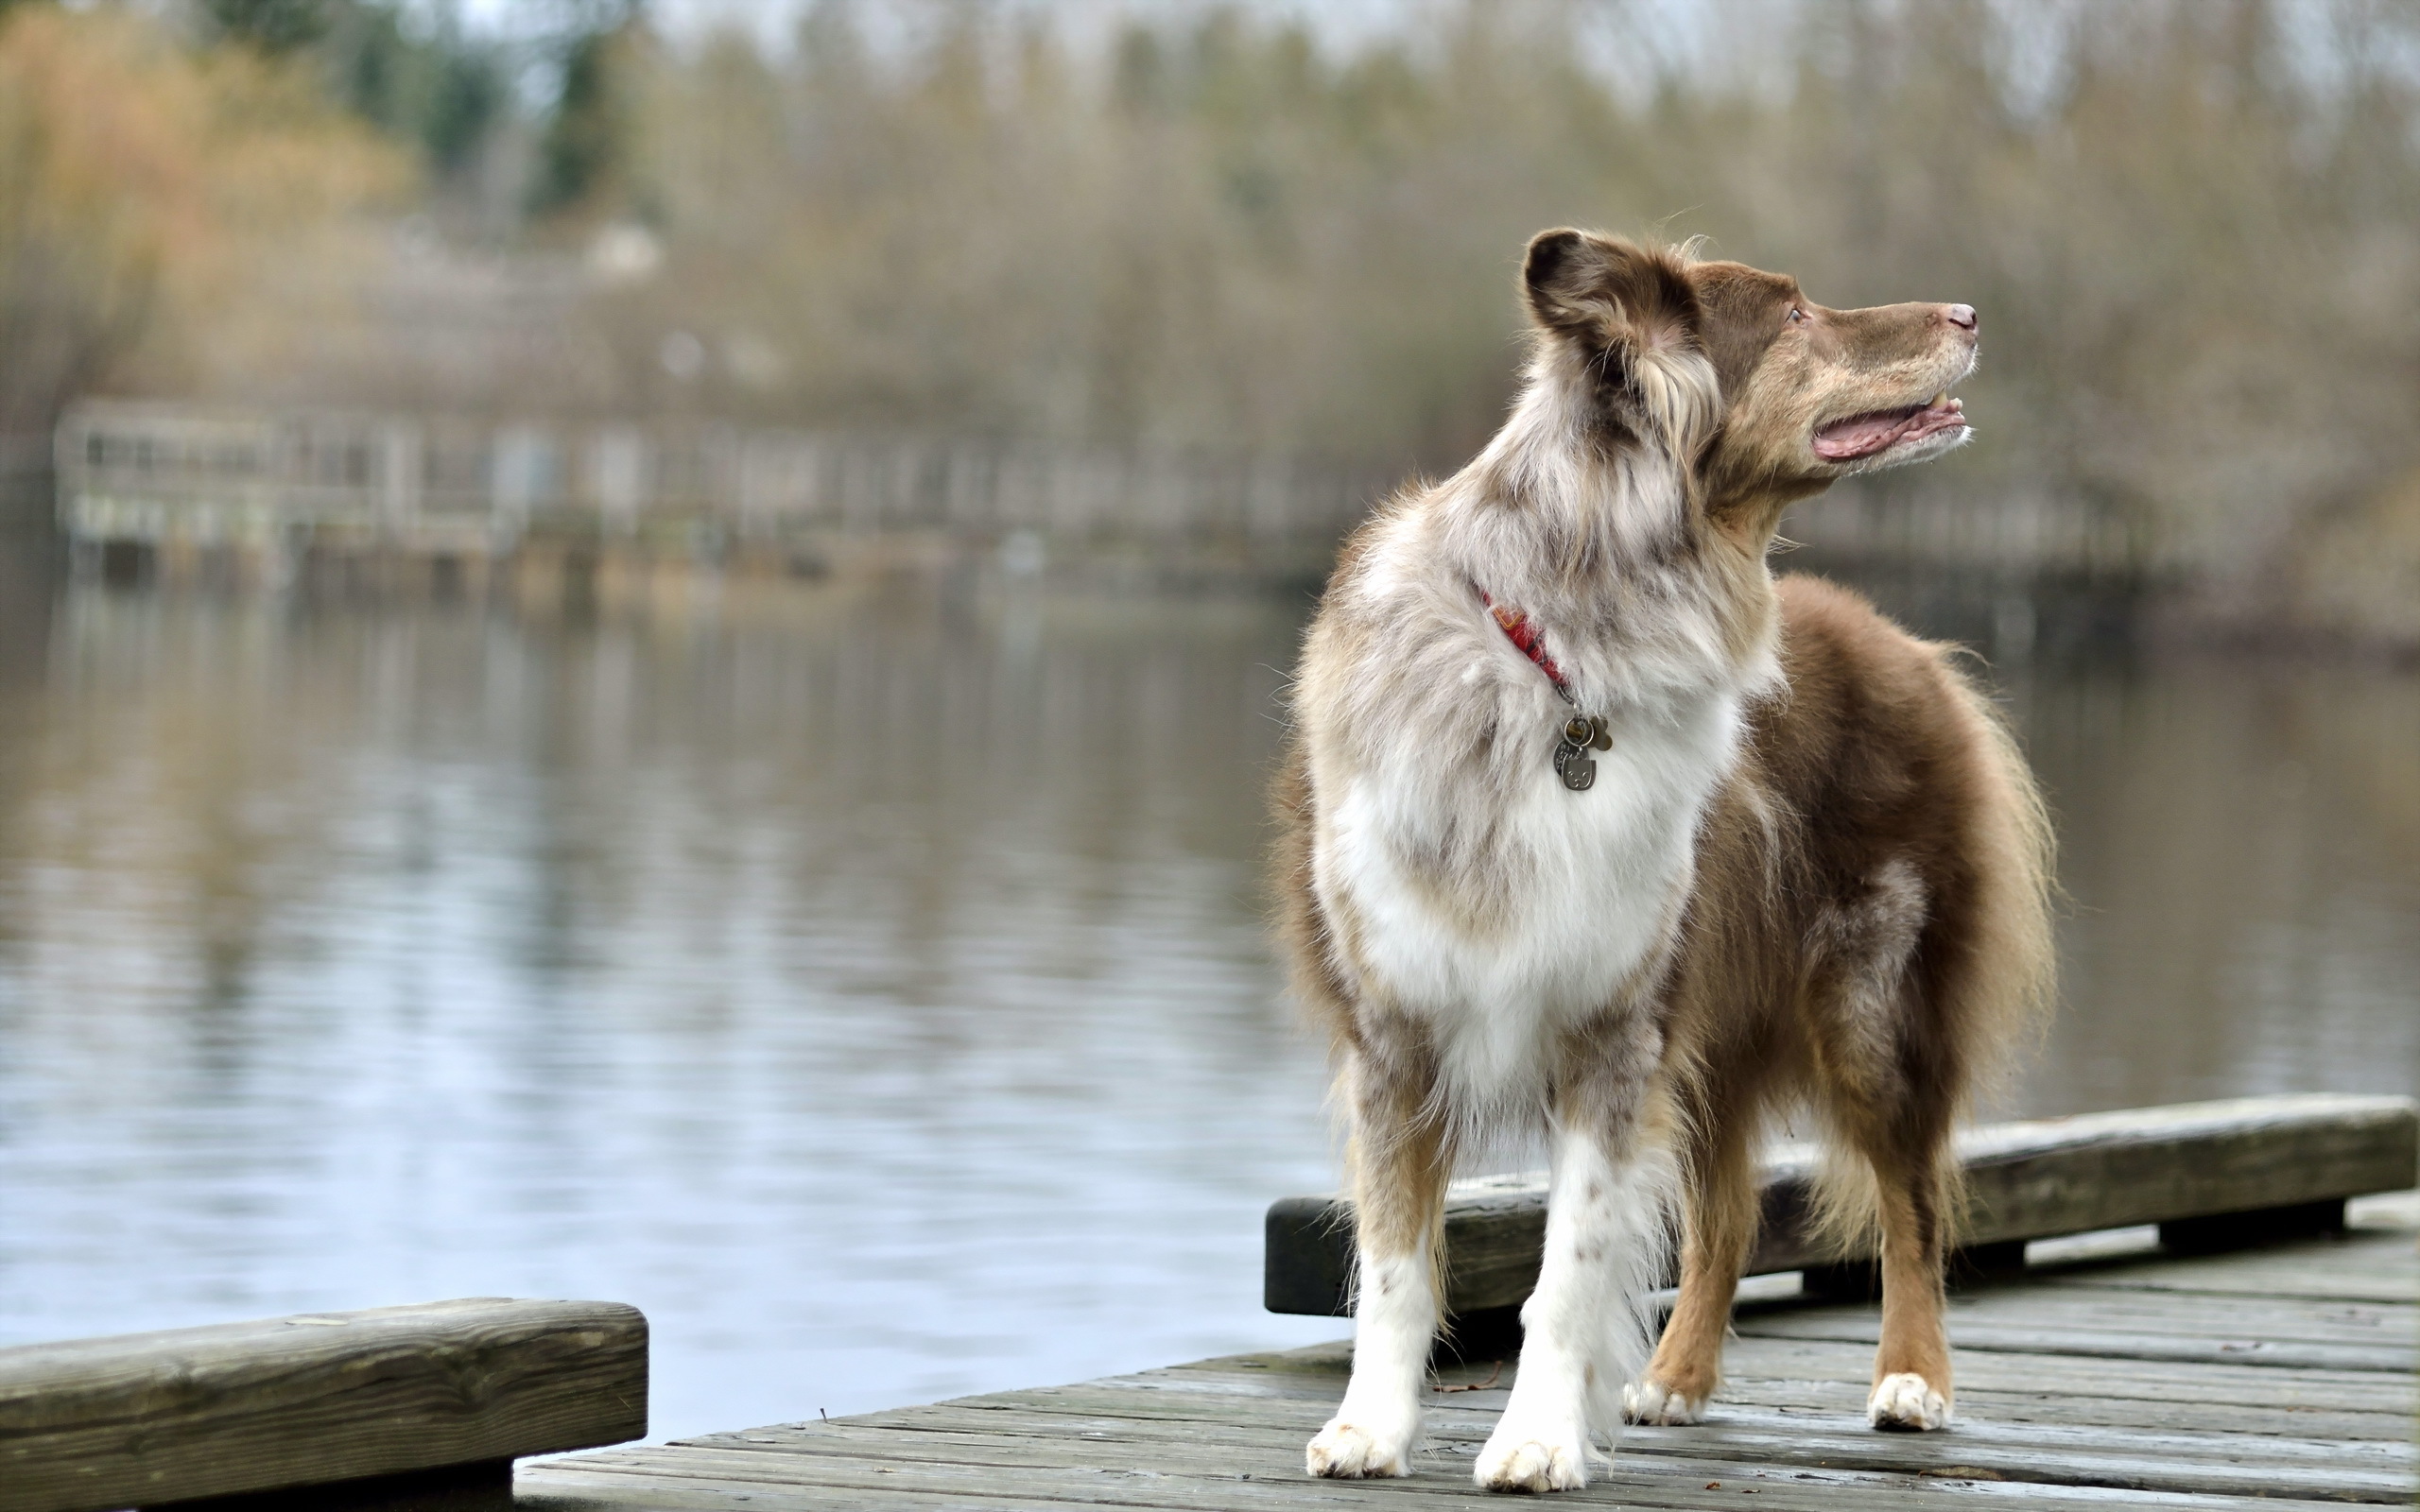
[872,986]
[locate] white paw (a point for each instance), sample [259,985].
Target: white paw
[1653,1404]
[1518,1459]
[1906,1402]
[1348,1451]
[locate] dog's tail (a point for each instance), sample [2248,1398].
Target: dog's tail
[1990,990]
[2005,997]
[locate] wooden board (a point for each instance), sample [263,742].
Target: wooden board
[2025,1181]
[2108,1406]
[146,1418]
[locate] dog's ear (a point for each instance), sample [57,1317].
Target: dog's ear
[1602,291]
[1631,314]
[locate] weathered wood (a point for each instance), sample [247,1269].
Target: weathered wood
[1178,1474]
[1829,1397]
[150,1419]
[2093,1387]
[2282,1273]
[2050,1456]
[2149,1456]
[2064,1409]
[2247,1170]
[2249,1353]
[1175,1476]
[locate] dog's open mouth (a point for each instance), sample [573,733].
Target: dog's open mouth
[1860,436]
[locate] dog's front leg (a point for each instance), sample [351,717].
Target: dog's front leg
[1582,1329]
[1400,1164]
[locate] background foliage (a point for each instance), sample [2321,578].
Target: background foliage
[2189,223]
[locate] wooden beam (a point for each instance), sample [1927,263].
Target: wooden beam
[2211,1174]
[404,1406]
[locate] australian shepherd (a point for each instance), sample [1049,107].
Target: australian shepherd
[1593,829]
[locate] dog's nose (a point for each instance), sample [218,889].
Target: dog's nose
[1962,316]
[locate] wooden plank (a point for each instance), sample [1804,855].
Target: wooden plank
[1828,1407]
[2360,1267]
[1175,1475]
[1318,1372]
[2026,1180]
[2089,1393]
[2160,1459]
[539,1487]
[2023,1338]
[1225,1403]
[2313,1420]
[1821,1376]
[149,1419]
[1826,1411]
[2187,1387]
[2279,1319]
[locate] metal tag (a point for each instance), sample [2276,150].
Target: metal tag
[1572,763]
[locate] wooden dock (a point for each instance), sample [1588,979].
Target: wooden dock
[2185,1306]
[2113,1373]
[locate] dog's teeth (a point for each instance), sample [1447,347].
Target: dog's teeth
[1941,399]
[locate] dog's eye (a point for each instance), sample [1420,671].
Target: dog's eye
[1796,315]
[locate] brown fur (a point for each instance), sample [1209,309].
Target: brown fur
[1882,764]
[1866,932]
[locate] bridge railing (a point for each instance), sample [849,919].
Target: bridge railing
[148,472]
[157,472]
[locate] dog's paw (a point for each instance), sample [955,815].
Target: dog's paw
[1525,1459]
[1348,1451]
[1656,1405]
[1906,1402]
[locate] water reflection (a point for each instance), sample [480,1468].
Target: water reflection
[875,998]
[2241,844]
[866,984]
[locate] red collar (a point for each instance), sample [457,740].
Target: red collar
[1527,638]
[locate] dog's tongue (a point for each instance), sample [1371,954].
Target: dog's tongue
[1845,440]
[1863,435]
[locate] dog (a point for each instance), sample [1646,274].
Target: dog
[1591,829]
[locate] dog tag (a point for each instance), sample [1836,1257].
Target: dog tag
[1582,730]
[1572,763]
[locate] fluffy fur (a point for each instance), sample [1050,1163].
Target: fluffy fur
[1811,871]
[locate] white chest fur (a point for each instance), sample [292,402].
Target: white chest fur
[1502,937]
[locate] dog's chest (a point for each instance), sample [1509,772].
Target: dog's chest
[1494,903]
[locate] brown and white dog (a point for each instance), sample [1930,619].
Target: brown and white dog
[1593,828]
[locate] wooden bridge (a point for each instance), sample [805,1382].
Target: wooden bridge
[2191,1358]
[267,495]
[261,493]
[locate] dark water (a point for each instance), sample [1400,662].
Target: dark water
[869,987]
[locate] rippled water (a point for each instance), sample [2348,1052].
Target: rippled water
[870,987]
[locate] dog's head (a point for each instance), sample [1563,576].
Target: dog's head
[1768,395]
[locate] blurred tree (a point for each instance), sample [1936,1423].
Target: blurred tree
[1221,232]
[272,25]
[418,78]
[2189,223]
[466,101]
[586,143]
[145,188]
